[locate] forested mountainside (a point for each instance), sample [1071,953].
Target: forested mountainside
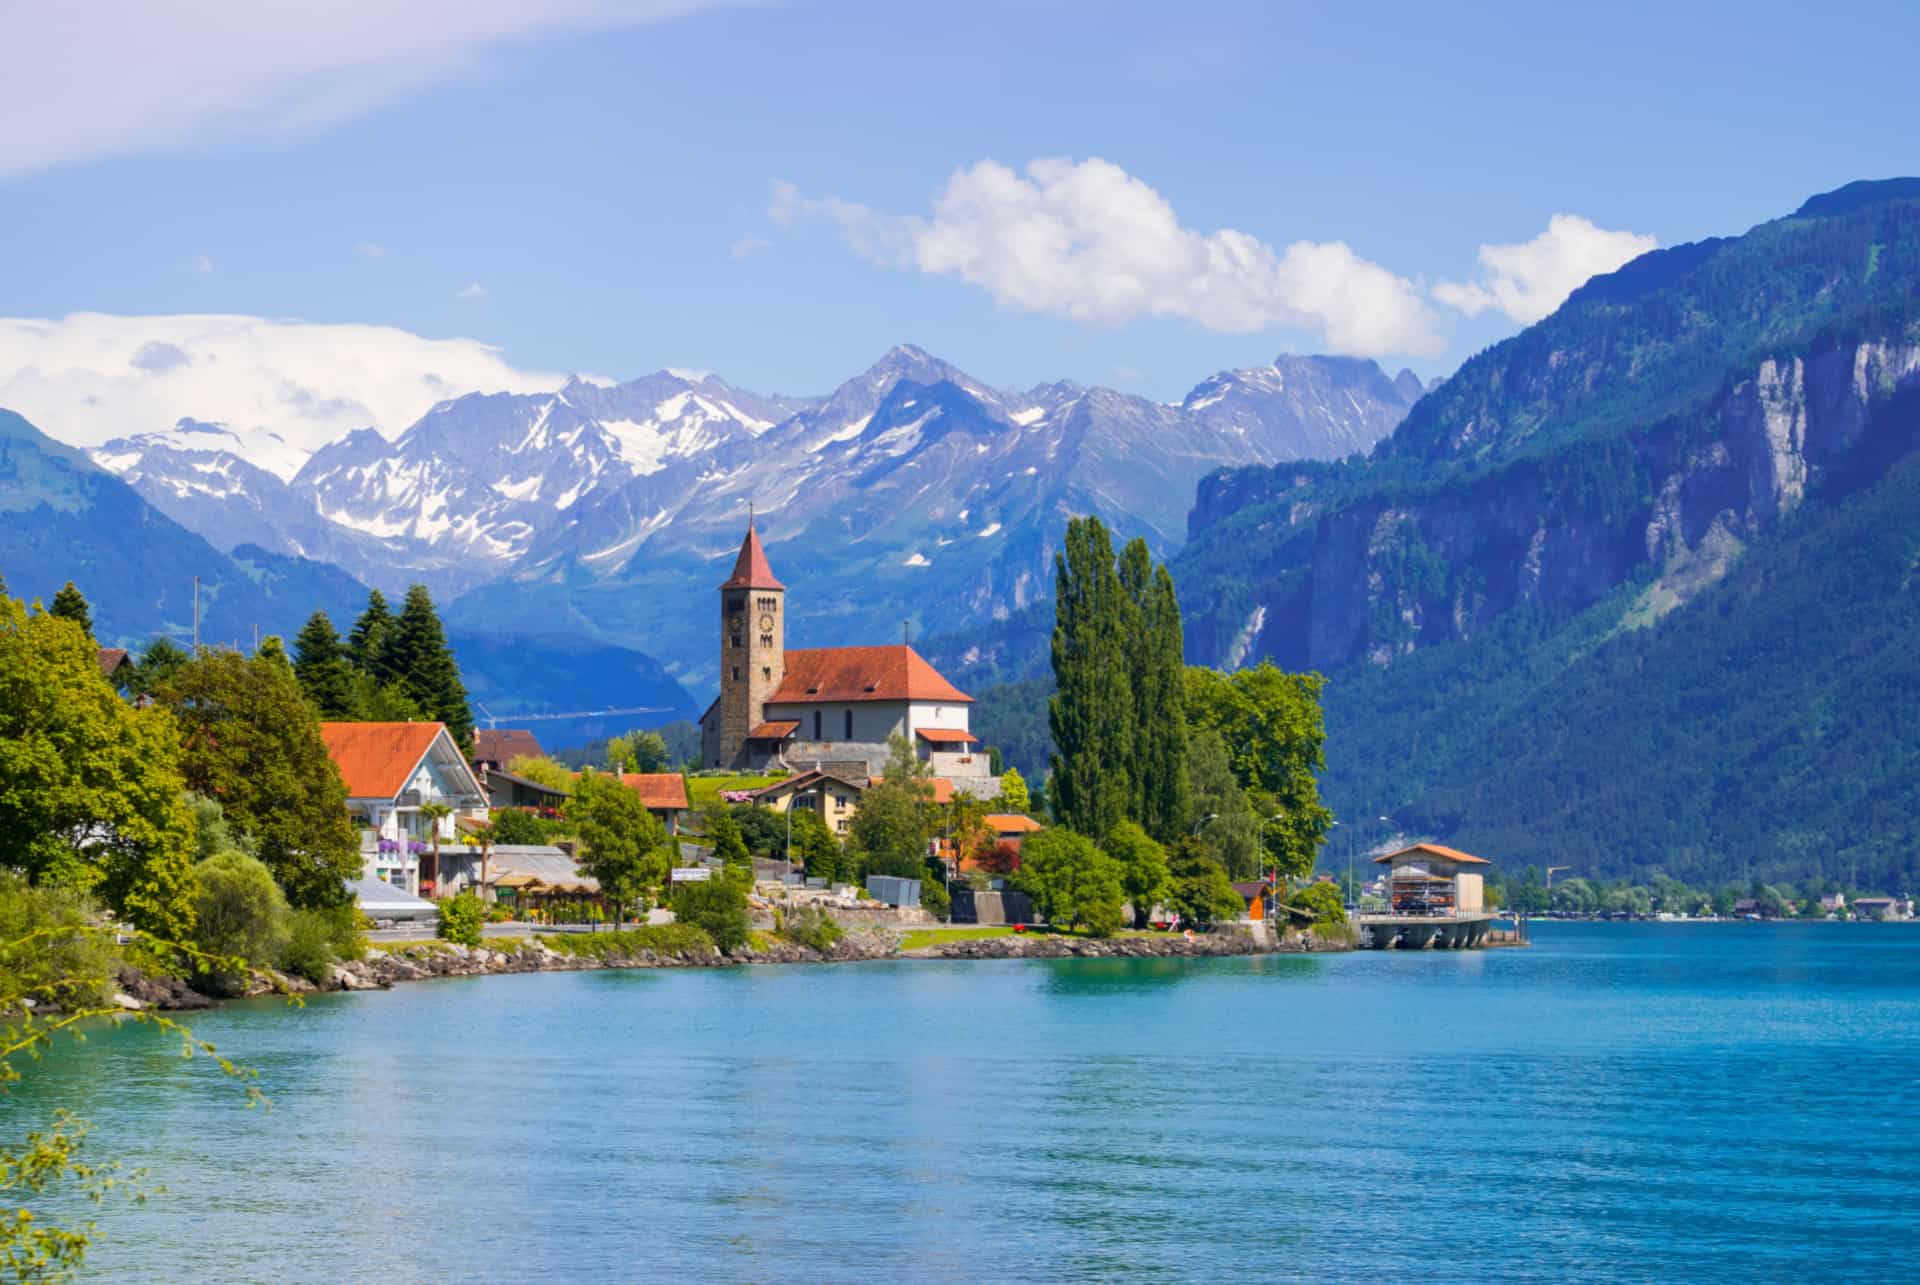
[1631,586]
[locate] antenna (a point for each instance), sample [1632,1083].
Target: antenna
[906,632]
[196,615]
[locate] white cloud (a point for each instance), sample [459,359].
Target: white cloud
[114,77]
[369,249]
[89,377]
[1529,280]
[203,264]
[472,290]
[1089,242]
[747,245]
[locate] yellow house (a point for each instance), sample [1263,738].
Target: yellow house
[833,798]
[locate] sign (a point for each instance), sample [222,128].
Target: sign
[691,874]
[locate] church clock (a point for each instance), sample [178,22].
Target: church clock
[766,624]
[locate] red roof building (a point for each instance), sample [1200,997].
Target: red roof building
[499,746]
[663,793]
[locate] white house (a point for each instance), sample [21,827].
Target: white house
[392,772]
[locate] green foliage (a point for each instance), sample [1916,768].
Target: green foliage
[251,741]
[624,845]
[70,604]
[813,928]
[1227,827]
[1199,890]
[723,832]
[1144,877]
[896,817]
[516,827]
[1013,792]
[414,654]
[461,919]
[639,752]
[1271,723]
[816,847]
[763,830]
[1162,798]
[367,640]
[661,939]
[934,897]
[317,939]
[1322,900]
[717,907]
[1091,714]
[321,665]
[1073,884]
[542,771]
[240,914]
[1013,718]
[90,787]
[160,661]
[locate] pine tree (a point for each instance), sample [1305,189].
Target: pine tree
[367,640]
[69,604]
[1091,712]
[322,667]
[415,652]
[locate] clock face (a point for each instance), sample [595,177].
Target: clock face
[766,624]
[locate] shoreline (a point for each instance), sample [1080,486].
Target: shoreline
[384,967]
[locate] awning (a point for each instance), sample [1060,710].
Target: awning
[773,731]
[945,735]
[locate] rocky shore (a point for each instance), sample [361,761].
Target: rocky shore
[382,968]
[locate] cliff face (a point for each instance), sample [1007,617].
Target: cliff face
[1376,579]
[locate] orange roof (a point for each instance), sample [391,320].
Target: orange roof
[942,787]
[1435,850]
[1011,823]
[377,759]
[945,735]
[776,731]
[658,790]
[751,570]
[893,673]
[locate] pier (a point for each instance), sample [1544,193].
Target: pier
[1466,930]
[1435,901]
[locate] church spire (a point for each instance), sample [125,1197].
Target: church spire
[751,570]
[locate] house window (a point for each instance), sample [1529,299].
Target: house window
[841,825]
[849,735]
[816,725]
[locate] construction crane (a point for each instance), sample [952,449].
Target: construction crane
[1550,870]
[492,721]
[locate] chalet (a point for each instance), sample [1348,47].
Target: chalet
[497,747]
[833,797]
[830,708]
[393,771]
[662,793]
[508,790]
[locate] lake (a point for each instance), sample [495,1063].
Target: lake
[1620,1103]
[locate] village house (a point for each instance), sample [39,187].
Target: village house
[393,771]
[495,748]
[506,790]
[1882,908]
[662,793]
[829,709]
[833,797]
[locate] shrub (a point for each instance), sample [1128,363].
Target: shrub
[241,913]
[661,939]
[718,907]
[510,825]
[934,898]
[460,919]
[81,959]
[813,928]
[309,949]
[1322,901]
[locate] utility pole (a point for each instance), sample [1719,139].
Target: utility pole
[196,615]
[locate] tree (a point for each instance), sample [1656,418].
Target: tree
[815,846]
[1270,721]
[1199,890]
[718,907]
[367,640]
[1156,666]
[510,825]
[542,771]
[1013,792]
[1224,820]
[1143,868]
[378,702]
[896,816]
[435,812]
[321,665]
[762,830]
[241,915]
[160,661]
[91,792]
[624,844]
[250,740]
[70,604]
[1073,884]
[414,653]
[723,832]
[650,752]
[1091,712]
[1322,901]
[482,836]
[620,755]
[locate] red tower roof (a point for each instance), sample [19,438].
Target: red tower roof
[750,569]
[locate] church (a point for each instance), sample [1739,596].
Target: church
[825,708]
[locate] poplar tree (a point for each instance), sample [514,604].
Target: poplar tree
[1160,704]
[415,653]
[70,604]
[366,640]
[322,667]
[1091,713]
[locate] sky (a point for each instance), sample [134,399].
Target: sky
[245,212]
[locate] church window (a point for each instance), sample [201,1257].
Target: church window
[766,640]
[849,735]
[816,725]
[766,672]
[736,673]
[736,640]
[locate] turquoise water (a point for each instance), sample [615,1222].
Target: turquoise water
[1623,1102]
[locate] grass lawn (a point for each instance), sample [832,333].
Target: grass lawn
[702,790]
[921,938]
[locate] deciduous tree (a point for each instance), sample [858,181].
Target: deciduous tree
[896,816]
[1073,884]
[624,845]
[1270,721]
[1143,868]
[1091,712]
[1013,792]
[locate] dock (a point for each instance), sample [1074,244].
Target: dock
[1466,930]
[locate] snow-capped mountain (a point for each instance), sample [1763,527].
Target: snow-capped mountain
[911,492]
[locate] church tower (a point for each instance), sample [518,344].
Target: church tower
[753,632]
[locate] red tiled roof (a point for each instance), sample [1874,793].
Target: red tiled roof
[1011,823]
[660,791]
[807,780]
[112,659]
[942,787]
[1435,850]
[377,759]
[945,735]
[503,745]
[778,731]
[751,569]
[893,673]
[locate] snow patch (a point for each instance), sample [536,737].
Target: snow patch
[992,528]
[918,560]
[1029,417]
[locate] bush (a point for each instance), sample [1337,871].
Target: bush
[510,825]
[718,907]
[661,939]
[309,948]
[1322,901]
[83,961]
[813,928]
[934,898]
[241,914]
[460,919]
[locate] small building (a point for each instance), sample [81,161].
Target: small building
[831,796]
[1430,879]
[1258,895]
[114,663]
[1833,902]
[663,793]
[392,771]
[498,747]
[507,790]
[1881,908]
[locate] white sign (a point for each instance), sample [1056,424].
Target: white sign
[691,874]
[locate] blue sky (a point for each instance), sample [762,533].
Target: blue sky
[601,186]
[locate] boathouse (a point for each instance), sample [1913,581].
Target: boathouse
[1436,897]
